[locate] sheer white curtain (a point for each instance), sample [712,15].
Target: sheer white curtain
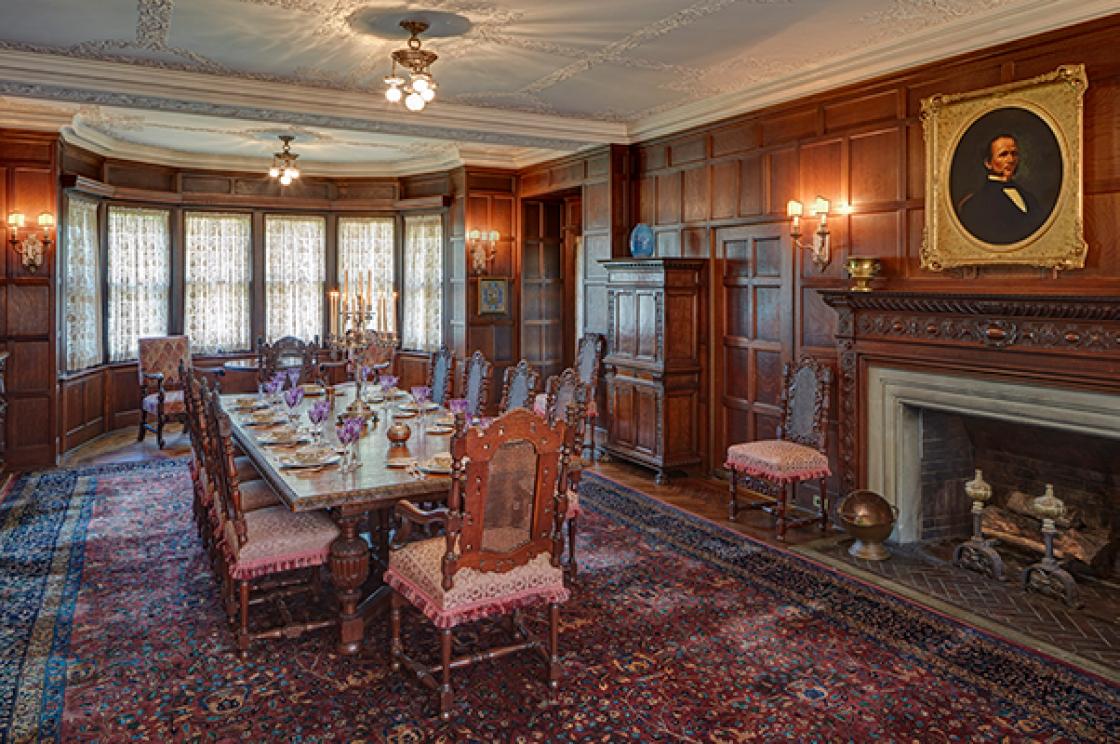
[81,286]
[139,274]
[423,282]
[295,271]
[365,245]
[218,271]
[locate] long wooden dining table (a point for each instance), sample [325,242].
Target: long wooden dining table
[351,498]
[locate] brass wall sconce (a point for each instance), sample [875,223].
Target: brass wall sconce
[483,247]
[821,247]
[32,248]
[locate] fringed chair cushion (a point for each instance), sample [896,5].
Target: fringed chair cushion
[573,505]
[279,540]
[172,402]
[414,571]
[256,494]
[778,460]
[540,404]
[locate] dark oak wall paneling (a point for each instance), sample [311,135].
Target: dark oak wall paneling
[720,192]
[28,174]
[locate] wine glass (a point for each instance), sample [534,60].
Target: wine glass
[317,415]
[422,394]
[293,397]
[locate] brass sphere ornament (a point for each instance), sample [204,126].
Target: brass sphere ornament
[869,518]
[398,433]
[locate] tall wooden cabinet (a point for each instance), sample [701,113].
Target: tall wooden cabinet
[653,370]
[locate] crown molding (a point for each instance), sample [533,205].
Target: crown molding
[968,34]
[54,77]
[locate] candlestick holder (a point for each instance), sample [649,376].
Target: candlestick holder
[978,553]
[1047,576]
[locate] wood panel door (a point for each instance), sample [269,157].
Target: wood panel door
[753,314]
[542,287]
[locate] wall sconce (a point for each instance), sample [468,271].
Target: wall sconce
[821,247]
[483,249]
[33,247]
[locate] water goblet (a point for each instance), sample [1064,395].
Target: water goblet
[293,398]
[421,394]
[317,415]
[293,377]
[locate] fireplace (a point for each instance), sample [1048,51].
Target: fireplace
[927,431]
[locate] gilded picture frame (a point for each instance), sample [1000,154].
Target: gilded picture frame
[493,295]
[1003,174]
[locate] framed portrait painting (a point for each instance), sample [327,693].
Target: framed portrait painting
[493,295]
[1003,174]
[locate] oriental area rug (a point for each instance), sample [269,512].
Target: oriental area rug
[677,630]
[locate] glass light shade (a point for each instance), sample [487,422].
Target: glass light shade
[794,208]
[494,236]
[845,208]
[393,94]
[474,235]
[291,173]
[274,172]
[820,205]
[285,180]
[428,94]
[46,220]
[15,219]
[414,102]
[421,82]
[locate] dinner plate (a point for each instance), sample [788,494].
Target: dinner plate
[399,462]
[292,462]
[311,390]
[404,414]
[430,406]
[408,407]
[273,439]
[440,429]
[434,469]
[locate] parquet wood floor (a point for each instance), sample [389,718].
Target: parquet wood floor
[1086,637]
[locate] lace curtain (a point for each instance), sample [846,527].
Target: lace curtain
[365,244]
[423,282]
[295,259]
[139,273]
[81,282]
[218,272]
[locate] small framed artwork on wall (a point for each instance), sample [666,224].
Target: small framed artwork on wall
[493,295]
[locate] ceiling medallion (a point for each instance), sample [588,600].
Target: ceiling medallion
[284,162]
[420,89]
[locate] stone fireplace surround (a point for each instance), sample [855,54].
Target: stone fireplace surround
[896,399]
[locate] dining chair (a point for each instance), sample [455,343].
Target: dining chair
[440,368]
[289,352]
[262,542]
[568,399]
[589,362]
[519,387]
[799,453]
[476,384]
[501,550]
[378,354]
[161,389]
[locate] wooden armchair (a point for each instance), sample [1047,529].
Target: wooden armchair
[568,399]
[161,389]
[519,387]
[286,353]
[501,549]
[589,360]
[476,384]
[440,369]
[799,453]
[378,355]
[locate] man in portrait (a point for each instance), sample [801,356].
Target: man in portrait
[1001,211]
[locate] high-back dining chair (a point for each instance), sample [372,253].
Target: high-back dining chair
[440,368]
[589,360]
[476,383]
[800,451]
[502,545]
[519,386]
[568,399]
[287,353]
[161,389]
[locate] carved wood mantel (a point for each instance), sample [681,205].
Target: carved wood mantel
[1048,340]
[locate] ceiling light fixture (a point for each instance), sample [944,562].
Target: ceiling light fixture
[418,91]
[284,162]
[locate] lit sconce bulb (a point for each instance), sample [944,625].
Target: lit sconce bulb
[393,94]
[15,219]
[820,206]
[291,173]
[794,208]
[494,236]
[845,208]
[274,172]
[285,180]
[474,234]
[428,94]
[46,221]
[414,102]
[421,82]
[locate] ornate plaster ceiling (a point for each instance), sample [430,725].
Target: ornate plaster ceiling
[216,80]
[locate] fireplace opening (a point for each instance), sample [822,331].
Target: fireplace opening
[1018,460]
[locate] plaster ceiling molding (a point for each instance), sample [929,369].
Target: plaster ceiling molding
[22,113]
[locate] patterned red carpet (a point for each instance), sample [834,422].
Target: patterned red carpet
[678,630]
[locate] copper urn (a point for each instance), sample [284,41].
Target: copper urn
[869,518]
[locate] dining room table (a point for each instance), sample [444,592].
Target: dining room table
[275,437]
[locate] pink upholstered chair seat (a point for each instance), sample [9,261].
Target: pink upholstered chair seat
[279,540]
[246,471]
[573,504]
[778,460]
[415,572]
[172,402]
[256,494]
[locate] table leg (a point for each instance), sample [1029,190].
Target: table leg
[349,563]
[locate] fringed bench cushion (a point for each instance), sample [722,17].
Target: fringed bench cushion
[279,540]
[415,572]
[172,402]
[777,460]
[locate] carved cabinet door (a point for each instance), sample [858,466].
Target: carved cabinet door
[753,323]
